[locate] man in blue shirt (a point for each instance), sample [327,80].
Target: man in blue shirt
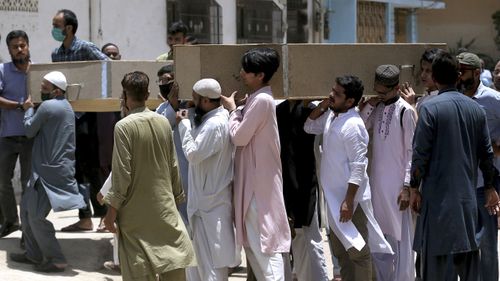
[65,25]
[13,142]
[470,84]
[451,140]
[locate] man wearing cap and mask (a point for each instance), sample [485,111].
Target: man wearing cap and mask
[52,184]
[392,121]
[209,151]
[471,85]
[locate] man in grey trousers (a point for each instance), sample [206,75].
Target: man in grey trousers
[52,184]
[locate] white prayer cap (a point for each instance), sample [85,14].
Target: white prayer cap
[208,87]
[57,79]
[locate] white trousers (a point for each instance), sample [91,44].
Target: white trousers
[116,261]
[205,271]
[307,248]
[265,267]
[401,265]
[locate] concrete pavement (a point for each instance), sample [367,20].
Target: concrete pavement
[85,251]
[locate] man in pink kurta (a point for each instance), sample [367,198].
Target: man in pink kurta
[258,184]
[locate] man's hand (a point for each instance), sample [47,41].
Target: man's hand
[242,101]
[173,96]
[346,210]
[180,115]
[28,103]
[100,198]
[109,219]
[228,102]
[415,200]
[404,198]
[408,94]
[373,101]
[492,201]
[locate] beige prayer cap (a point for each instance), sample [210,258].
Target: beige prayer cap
[387,75]
[57,79]
[208,88]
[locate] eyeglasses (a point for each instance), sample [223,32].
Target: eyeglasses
[385,92]
[464,69]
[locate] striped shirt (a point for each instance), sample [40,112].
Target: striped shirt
[80,50]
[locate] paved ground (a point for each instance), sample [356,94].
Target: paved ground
[85,252]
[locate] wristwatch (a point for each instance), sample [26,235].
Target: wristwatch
[19,106]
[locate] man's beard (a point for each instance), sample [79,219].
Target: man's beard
[466,85]
[24,60]
[198,116]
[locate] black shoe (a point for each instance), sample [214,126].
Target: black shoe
[21,258]
[21,243]
[8,228]
[48,267]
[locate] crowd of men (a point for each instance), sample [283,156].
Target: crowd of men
[410,184]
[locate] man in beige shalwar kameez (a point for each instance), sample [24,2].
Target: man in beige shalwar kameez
[145,190]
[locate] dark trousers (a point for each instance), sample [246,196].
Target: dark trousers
[94,146]
[488,245]
[436,268]
[354,265]
[89,188]
[12,149]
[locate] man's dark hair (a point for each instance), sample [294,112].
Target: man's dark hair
[430,54]
[168,68]
[69,19]
[445,69]
[107,45]
[136,84]
[16,34]
[262,59]
[178,27]
[353,87]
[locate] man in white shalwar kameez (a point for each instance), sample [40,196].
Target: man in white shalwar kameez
[209,151]
[392,121]
[345,181]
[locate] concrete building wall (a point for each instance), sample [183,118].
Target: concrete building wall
[228,21]
[138,29]
[461,19]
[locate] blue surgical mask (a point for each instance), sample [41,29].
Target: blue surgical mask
[58,34]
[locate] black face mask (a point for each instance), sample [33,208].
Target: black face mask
[166,88]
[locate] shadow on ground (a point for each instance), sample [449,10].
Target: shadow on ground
[82,254]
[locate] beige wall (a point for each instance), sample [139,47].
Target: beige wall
[461,19]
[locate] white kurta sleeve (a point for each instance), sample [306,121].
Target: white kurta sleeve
[316,127]
[367,115]
[106,186]
[207,142]
[355,144]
